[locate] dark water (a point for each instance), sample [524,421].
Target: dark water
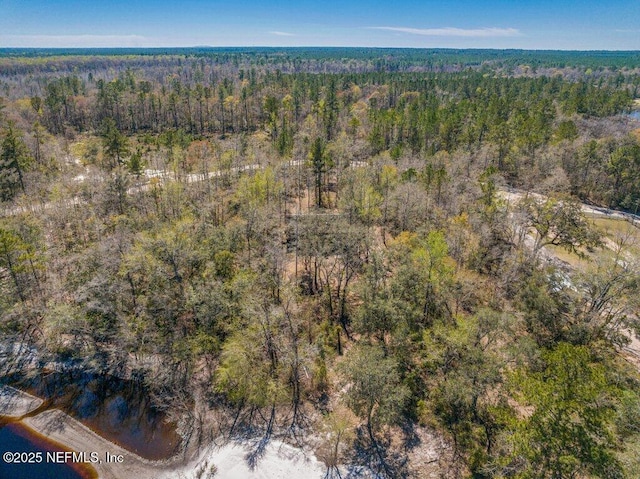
[118,410]
[17,438]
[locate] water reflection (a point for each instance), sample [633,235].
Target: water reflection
[119,410]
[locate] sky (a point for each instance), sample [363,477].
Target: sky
[527,24]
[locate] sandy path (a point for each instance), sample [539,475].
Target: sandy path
[512,195]
[15,403]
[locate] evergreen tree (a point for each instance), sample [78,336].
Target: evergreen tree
[14,157]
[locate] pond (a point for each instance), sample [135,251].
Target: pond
[117,409]
[14,437]
[635,114]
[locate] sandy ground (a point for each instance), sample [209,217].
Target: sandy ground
[250,460]
[15,403]
[274,460]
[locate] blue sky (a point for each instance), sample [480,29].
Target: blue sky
[542,24]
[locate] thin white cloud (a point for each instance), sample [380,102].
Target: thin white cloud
[70,41]
[283,34]
[455,32]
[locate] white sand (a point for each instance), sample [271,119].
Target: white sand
[277,460]
[15,403]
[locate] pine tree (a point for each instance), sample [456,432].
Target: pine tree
[14,157]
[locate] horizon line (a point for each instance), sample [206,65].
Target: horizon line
[291,47]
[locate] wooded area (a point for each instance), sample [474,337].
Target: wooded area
[316,244]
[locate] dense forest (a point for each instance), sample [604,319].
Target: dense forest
[377,252]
